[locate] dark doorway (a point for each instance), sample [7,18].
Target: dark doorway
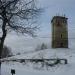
[61,45]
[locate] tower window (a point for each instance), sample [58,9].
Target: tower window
[61,35]
[58,24]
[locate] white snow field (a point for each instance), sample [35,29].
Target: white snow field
[32,69]
[24,45]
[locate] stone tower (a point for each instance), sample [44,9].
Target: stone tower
[59,32]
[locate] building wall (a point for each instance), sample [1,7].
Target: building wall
[59,32]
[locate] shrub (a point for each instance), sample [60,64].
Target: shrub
[6,52]
[41,47]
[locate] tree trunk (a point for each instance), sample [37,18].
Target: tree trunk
[2,40]
[1,48]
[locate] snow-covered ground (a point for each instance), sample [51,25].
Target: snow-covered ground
[30,69]
[24,45]
[20,69]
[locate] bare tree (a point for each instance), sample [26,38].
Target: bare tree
[17,15]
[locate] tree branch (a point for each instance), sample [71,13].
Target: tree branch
[11,2]
[1,18]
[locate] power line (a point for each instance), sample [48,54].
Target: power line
[51,37]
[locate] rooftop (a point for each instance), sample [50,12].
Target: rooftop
[61,17]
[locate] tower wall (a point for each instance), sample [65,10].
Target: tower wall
[59,32]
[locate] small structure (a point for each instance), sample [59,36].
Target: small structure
[59,32]
[12,71]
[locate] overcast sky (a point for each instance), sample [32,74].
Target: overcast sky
[51,8]
[54,7]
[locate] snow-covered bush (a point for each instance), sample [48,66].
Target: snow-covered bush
[18,53]
[6,52]
[22,60]
[41,47]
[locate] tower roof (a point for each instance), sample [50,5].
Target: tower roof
[59,17]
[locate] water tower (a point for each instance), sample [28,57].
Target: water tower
[59,32]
